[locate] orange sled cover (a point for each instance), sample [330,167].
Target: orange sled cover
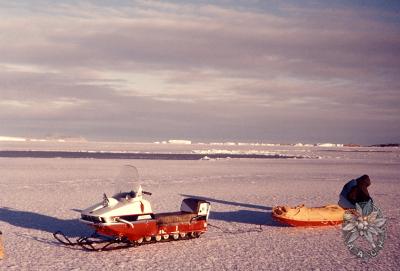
[301,216]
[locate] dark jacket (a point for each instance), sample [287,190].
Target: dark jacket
[356,191]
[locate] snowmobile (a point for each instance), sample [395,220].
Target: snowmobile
[127,219]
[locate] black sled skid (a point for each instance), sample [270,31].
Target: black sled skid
[96,243]
[93,243]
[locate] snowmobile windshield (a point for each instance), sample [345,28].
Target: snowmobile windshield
[126,183]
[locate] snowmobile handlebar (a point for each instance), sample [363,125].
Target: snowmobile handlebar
[146,193]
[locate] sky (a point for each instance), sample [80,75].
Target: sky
[266,71]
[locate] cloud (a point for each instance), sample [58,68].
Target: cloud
[169,64]
[205,37]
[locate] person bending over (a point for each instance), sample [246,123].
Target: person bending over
[355,191]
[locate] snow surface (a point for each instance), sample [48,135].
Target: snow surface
[39,196]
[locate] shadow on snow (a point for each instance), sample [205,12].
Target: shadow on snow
[257,217]
[31,220]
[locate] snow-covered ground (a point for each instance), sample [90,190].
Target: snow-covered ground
[40,195]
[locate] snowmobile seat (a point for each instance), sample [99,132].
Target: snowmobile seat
[175,217]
